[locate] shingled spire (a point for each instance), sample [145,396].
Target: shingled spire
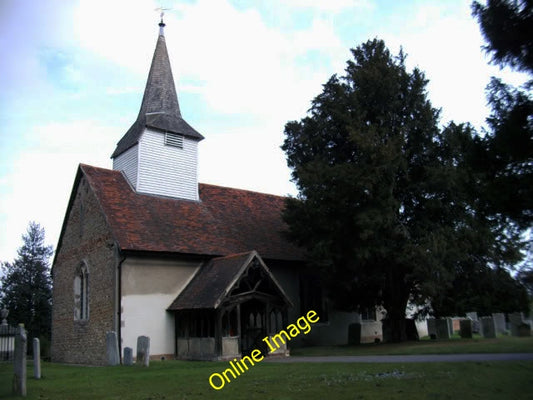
[158,154]
[159,108]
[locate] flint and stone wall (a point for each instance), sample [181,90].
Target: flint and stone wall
[87,240]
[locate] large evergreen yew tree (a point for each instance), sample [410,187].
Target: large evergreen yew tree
[387,205]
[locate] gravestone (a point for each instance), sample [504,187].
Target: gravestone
[354,333]
[450,326]
[488,327]
[476,324]
[143,351]
[19,366]
[113,357]
[499,323]
[128,356]
[472,315]
[443,332]
[36,358]
[518,326]
[432,328]
[410,329]
[465,328]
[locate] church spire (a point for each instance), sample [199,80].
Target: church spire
[159,107]
[160,92]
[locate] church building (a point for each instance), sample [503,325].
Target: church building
[205,271]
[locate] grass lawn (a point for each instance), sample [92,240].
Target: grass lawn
[336,381]
[502,344]
[167,380]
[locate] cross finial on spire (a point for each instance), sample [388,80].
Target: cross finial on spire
[161,24]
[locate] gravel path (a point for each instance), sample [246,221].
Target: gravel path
[410,358]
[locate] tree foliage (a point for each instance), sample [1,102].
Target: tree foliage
[26,286]
[507,26]
[508,29]
[390,206]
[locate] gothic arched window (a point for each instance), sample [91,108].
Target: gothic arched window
[81,292]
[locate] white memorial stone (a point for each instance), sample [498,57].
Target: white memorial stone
[19,366]
[36,358]
[143,351]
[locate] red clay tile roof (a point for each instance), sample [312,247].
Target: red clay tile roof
[225,221]
[212,282]
[215,280]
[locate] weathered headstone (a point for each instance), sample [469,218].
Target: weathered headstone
[432,328]
[354,333]
[524,329]
[499,322]
[36,358]
[450,326]
[472,315]
[488,327]
[443,331]
[465,328]
[128,356]
[113,357]
[410,329]
[518,326]
[19,366]
[143,351]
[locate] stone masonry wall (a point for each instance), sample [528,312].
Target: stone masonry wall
[87,239]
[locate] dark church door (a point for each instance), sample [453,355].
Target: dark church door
[253,326]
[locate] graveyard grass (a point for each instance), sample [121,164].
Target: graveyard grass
[456,345]
[189,380]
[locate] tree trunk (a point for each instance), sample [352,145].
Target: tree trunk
[394,324]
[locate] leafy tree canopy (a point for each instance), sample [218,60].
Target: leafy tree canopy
[507,26]
[26,287]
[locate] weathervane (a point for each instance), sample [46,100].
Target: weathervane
[162,13]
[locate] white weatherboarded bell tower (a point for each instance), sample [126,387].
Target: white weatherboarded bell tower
[159,153]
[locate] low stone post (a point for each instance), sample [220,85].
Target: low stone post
[128,356]
[19,366]
[36,358]
[143,351]
[113,357]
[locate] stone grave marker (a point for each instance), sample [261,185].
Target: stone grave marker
[143,351]
[36,358]
[499,323]
[465,328]
[472,315]
[443,332]
[450,326]
[113,357]
[518,326]
[488,327]
[19,366]
[432,328]
[128,356]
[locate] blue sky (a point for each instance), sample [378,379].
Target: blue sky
[72,76]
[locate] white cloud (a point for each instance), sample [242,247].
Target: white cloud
[38,186]
[329,5]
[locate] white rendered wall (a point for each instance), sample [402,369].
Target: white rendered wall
[167,170]
[128,163]
[149,286]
